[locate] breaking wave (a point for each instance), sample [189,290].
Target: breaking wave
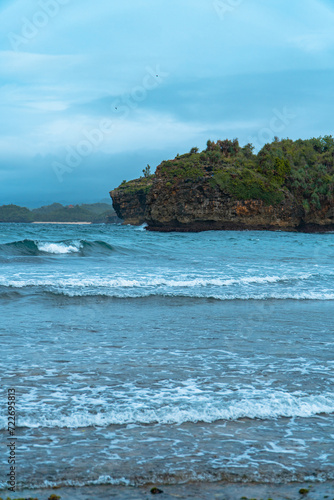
[271,405]
[137,285]
[40,248]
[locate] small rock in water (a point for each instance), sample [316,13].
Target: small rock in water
[303,491]
[156,491]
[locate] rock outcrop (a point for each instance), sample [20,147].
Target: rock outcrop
[232,191]
[130,200]
[199,206]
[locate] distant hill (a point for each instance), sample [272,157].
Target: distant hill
[14,213]
[97,213]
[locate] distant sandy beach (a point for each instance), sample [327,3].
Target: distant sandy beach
[198,491]
[81,223]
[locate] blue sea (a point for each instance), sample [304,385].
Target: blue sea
[142,357]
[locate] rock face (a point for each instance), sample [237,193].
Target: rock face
[287,186]
[199,206]
[129,207]
[130,200]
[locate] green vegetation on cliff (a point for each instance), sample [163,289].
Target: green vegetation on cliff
[305,168]
[143,185]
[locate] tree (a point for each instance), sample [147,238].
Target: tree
[210,145]
[229,148]
[193,151]
[248,150]
[147,171]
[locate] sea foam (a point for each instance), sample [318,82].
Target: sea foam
[271,405]
[58,248]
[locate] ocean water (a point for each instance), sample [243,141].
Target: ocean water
[142,357]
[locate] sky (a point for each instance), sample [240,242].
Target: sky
[92,92]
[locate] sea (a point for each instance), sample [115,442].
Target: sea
[140,357]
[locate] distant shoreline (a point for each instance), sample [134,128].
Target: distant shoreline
[41,222]
[96,213]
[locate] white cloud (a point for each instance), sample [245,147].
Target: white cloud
[27,64]
[314,43]
[47,105]
[54,87]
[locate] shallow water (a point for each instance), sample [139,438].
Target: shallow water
[142,357]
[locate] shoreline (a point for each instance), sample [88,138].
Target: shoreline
[200,491]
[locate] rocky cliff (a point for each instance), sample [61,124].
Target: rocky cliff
[130,200]
[200,206]
[228,187]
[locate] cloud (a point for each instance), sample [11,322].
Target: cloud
[314,43]
[226,75]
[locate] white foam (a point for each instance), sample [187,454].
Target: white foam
[170,284]
[253,404]
[58,248]
[179,476]
[101,480]
[125,281]
[142,227]
[137,293]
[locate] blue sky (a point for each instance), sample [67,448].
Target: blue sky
[93,91]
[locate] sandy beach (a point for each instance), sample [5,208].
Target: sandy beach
[200,491]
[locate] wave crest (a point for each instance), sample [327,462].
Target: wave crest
[39,248]
[268,407]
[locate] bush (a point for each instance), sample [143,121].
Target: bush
[303,167]
[248,185]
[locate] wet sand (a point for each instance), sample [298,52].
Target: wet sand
[200,491]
